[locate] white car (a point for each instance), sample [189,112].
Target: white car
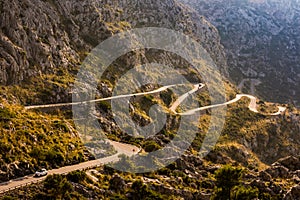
[42,172]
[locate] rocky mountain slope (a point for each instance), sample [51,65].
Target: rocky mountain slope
[43,43]
[261,39]
[42,39]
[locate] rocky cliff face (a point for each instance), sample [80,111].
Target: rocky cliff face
[261,39]
[53,37]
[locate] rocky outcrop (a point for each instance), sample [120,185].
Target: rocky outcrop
[33,41]
[15,170]
[290,162]
[293,193]
[287,169]
[117,183]
[278,172]
[43,39]
[283,168]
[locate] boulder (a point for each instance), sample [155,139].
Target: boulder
[290,162]
[262,187]
[297,173]
[278,172]
[117,183]
[265,176]
[293,193]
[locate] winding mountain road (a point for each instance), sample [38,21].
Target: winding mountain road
[252,105]
[184,96]
[102,99]
[121,148]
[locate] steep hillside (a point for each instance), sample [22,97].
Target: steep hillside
[261,39]
[43,44]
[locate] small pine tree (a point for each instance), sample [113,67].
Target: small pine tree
[226,178]
[228,185]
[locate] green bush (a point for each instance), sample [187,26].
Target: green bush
[150,146]
[55,157]
[8,198]
[244,193]
[37,153]
[227,177]
[77,176]
[105,105]
[58,186]
[5,113]
[141,191]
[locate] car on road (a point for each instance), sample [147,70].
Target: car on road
[41,172]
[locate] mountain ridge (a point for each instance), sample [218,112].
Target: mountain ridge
[261,40]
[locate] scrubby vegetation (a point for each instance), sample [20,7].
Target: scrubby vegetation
[229,185]
[43,88]
[171,182]
[51,142]
[32,140]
